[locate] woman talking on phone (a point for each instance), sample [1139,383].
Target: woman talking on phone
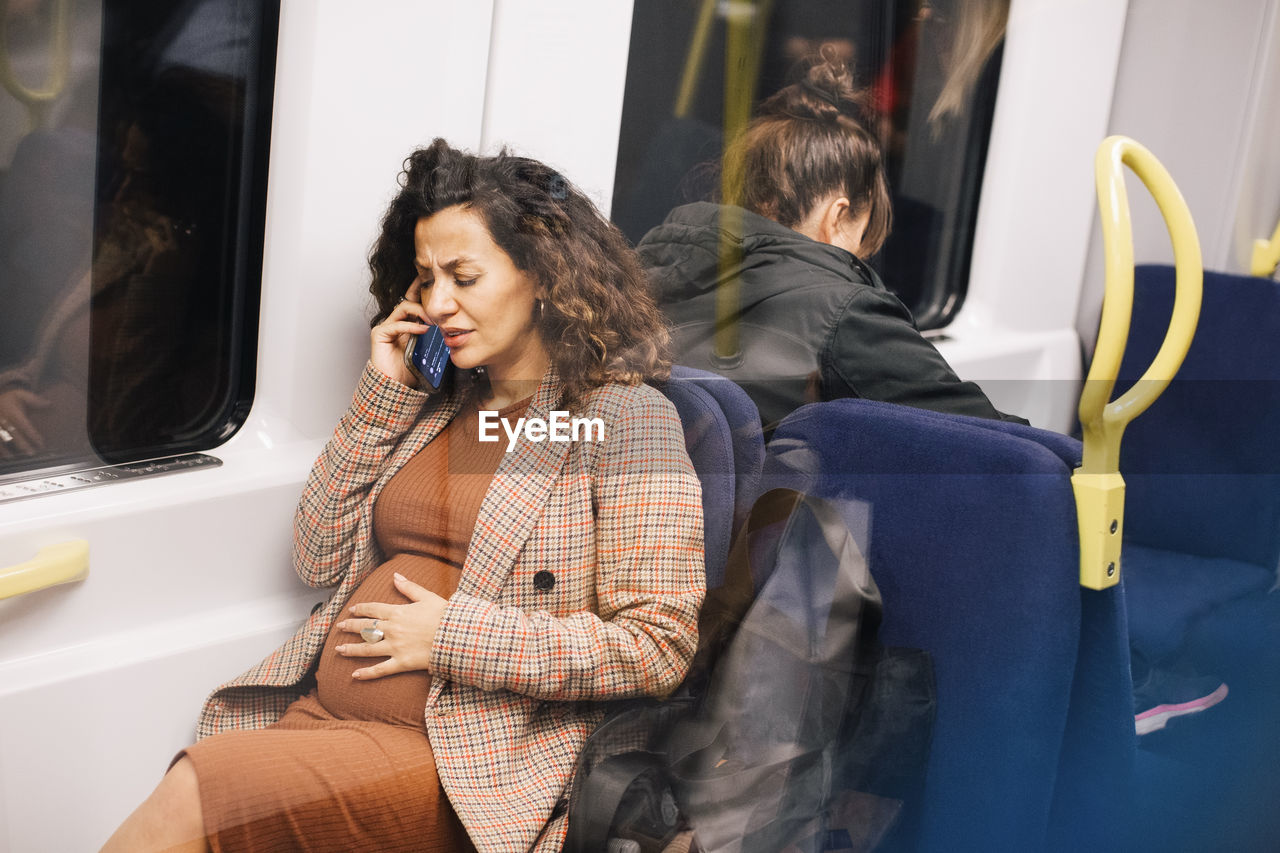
[485,598]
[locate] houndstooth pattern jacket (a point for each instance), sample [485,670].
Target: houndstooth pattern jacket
[516,667]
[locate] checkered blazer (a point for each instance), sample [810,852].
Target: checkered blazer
[516,666]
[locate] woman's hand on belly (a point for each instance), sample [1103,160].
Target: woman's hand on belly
[408,630]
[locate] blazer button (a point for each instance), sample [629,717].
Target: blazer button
[543,581]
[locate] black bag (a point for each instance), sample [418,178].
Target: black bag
[781,734]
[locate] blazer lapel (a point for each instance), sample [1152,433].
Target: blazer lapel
[514,501]
[418,436]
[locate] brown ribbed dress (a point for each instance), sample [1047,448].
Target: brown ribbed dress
[349,766]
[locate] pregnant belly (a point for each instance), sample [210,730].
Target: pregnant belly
[397,699]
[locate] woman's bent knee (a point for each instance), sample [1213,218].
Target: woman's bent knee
[170,819]
[179,792]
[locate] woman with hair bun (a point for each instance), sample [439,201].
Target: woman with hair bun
[816,322]
[488,593]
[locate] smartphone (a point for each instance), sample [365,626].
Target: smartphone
[427,358]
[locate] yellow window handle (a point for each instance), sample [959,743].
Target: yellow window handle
[56,564]
[1098,486]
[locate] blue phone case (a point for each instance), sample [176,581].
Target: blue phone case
[428,357]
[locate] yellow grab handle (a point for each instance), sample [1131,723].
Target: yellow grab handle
[1097,484]
[56,564]
[1266,256]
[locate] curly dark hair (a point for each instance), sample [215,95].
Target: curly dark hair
[599,321]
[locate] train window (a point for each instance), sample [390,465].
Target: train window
[133,152]
[929,68]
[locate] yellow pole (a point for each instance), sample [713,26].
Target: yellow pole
[693,59]
[744,42]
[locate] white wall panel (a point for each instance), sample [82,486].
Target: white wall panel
[556,78]
[1037,194]
[1258,208]
[359,85]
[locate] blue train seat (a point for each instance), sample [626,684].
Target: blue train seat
[973,545]
[722,435]
[1202,466]
[744,425]
[1202,545]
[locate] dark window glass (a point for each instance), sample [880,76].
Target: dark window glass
[930,70]
[132,199]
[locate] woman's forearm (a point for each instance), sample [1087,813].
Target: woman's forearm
[645,649]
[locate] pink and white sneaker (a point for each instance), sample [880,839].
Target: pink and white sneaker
[1198,697]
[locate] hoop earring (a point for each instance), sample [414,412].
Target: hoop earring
[540,309]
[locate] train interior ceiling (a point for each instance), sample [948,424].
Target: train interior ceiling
[188,193]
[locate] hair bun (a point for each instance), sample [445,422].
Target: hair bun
[826,92]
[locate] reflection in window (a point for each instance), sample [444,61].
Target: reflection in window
[131,202]
[929,67]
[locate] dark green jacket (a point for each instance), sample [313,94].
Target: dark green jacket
[816,322]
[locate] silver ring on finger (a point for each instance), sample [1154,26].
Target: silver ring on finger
[372,634]
[5,435]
